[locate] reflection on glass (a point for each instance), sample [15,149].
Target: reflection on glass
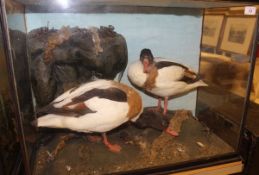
[226,72]
[252,121]
[254,96]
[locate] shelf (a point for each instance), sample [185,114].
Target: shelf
[223,169]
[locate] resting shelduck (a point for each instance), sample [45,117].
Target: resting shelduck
[162,78]
[98,106]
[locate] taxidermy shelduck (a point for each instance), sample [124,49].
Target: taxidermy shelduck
[98,106]
[162,78]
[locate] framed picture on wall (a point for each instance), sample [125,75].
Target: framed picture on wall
[238,34]
[212,25]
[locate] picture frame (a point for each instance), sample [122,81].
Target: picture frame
[212,25]
[238,34]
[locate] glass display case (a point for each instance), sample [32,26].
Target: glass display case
[252,121]
[82,69]
[9,147]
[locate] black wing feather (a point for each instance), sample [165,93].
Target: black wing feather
[113,94]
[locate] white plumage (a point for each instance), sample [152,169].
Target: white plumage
[167,83]
[161,77]
[98,106]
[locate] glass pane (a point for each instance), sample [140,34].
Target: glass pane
[60,54]
[225,66]
[9,146]
[17,36]
[253,108]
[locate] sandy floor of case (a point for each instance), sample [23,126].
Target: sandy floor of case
[140,149]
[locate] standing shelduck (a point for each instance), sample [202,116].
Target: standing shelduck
[98,106]
[162,78]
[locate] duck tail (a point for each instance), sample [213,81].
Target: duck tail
[195,85]
[51,121]
[45,111]
[40,112]
[44,121]
[200,83]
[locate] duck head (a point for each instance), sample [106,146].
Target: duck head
[147,59]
